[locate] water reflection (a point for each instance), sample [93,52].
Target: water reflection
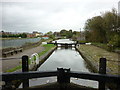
[65,58]
[18,42]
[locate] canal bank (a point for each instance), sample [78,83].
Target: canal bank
[92,54]
[65,58]
[92,65]
[58,58]
[44,54]
[25,46]
[42,59]
[11,65]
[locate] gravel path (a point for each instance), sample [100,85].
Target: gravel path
[7,64]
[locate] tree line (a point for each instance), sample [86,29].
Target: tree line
[22,35]
[104,29]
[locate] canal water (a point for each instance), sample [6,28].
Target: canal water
[18,42]
[65,58]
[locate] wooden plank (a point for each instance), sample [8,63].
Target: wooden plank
[18,50]
[25,68]
[27,75]
[95,76]
[102,70]
[8,52]
[38,74]
[63,75]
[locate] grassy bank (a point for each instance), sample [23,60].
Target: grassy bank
[47,47]
[93,54]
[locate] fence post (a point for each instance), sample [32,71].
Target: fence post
[55,43]
[63,75]
[25,69]
[102,70]
[66,45]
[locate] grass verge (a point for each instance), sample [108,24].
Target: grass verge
[14,69]
[94,53]
[47,48]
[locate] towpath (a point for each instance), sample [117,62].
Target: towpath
[93,54]
[7,64]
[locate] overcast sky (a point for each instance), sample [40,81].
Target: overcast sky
[50,15]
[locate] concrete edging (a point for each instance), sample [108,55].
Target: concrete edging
[92,65]
[43,59]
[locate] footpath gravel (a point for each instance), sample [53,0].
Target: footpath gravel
[7,64]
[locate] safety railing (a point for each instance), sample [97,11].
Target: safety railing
[63,75]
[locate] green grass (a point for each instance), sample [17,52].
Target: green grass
[102,45]
[34,58]
[14,69]
[82,41]
[17,67]
[93,54]
[47,48]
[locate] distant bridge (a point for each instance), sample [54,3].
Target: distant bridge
[64,44]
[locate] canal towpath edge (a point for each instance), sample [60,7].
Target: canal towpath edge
[7,64]
[92,54]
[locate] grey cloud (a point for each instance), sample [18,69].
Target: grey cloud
[47,16]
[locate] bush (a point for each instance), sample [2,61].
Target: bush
[110,47]
[115,41]
[82,41]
